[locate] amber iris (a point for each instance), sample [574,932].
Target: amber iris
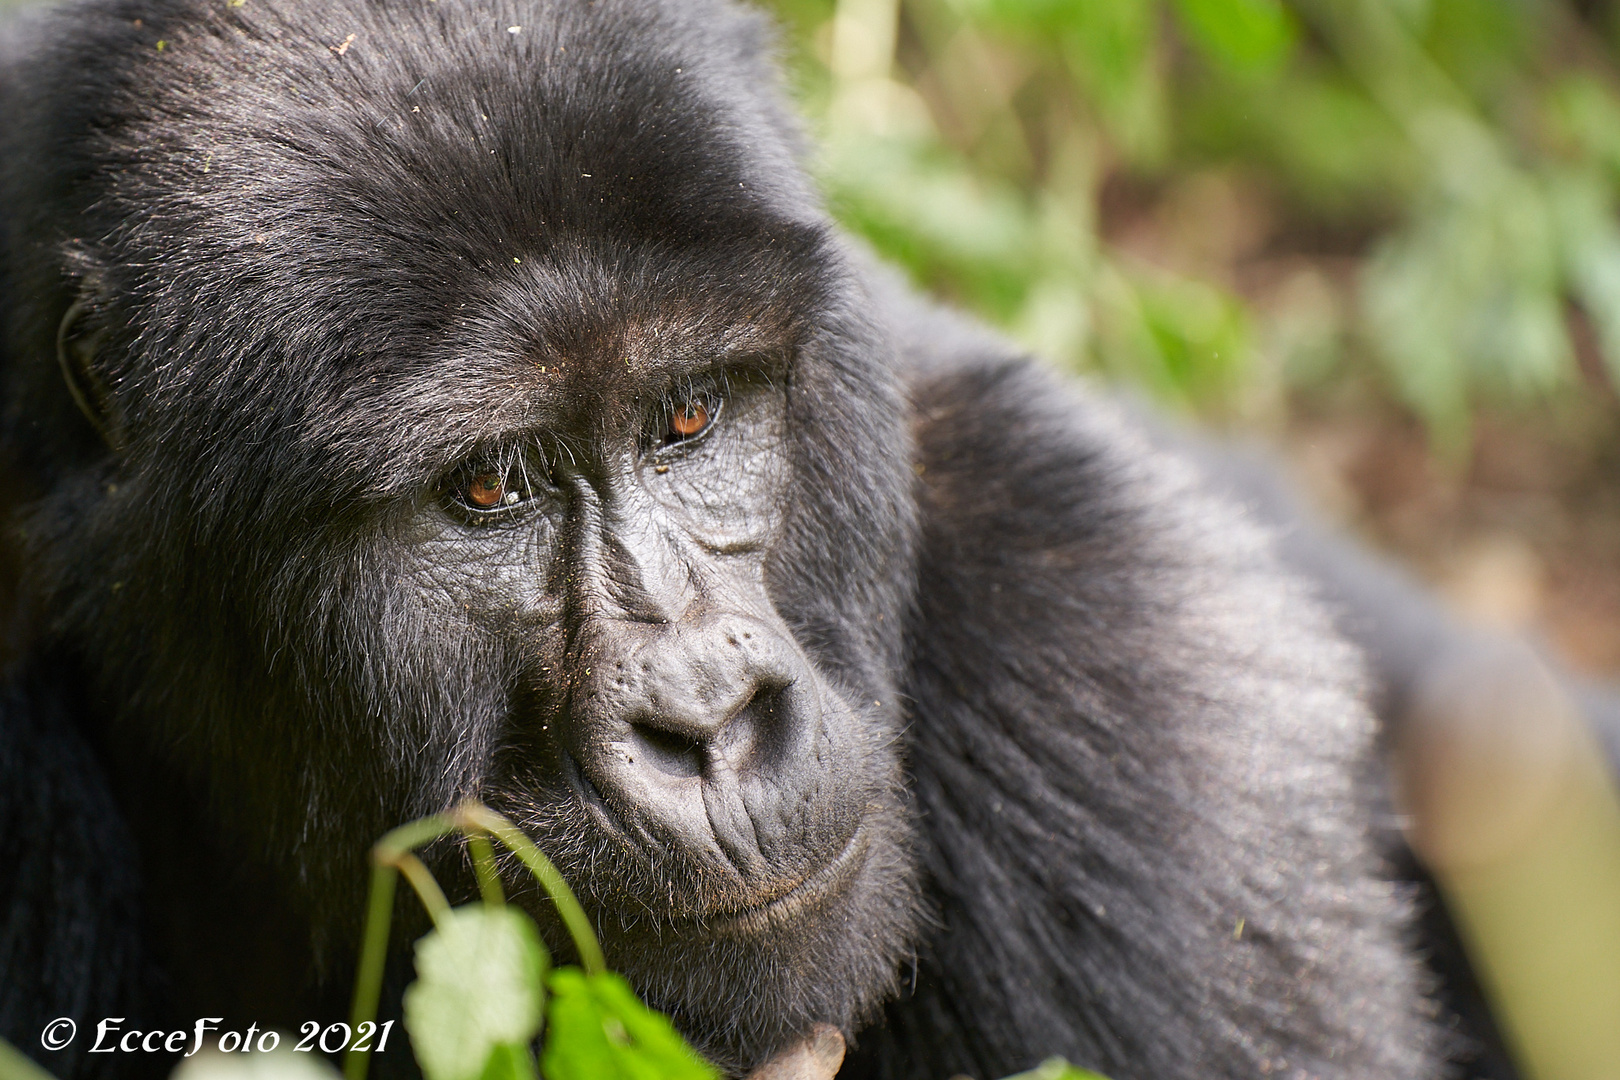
[487,489]
[689,419]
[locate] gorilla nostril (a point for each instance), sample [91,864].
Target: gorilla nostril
[692,748]
[762,706]
[668,752]
[753,729]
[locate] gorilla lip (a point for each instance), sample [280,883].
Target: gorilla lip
[809,891]
[814,889]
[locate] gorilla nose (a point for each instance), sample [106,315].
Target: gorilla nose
[699,738]
[683,743]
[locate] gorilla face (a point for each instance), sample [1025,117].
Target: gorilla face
[662,692]
[494,418]
[727,806]
[725,802]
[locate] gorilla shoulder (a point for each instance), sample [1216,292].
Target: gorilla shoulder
[1135,746]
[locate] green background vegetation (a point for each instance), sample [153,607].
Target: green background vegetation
[1227,200]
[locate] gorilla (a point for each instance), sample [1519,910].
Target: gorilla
[406,401]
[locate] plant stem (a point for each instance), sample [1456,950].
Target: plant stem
[489,875]
[393,855]
[427,889]
[386,860]
[412,835]
[373,958]
[473,815]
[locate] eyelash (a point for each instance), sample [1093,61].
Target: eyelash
[493,488]
[689,416]
[688,413]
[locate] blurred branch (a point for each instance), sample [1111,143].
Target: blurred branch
[1516,814]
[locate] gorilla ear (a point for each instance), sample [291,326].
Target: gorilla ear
[78,339]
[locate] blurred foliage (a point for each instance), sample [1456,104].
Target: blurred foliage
[1223,199]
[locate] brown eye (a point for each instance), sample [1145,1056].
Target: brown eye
[688,419]
[487,490]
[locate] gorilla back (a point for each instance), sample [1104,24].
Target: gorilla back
[413,401]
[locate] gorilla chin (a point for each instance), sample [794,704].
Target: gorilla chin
[744,982]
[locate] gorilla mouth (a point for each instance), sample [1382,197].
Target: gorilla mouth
[772,907]
[812,891]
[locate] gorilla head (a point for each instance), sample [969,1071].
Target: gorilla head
[491,415]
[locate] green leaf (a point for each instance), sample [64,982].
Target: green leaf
[925,210]
[1110,47]
[16,1065]
[1469,296]
[1057,1069]
[1247,37]
[1022,16]
[480,987]
[599,1030]
[1590,242]
[1316,131]
[509,1061]
[281,1063]
[1585,113]
[1186,341]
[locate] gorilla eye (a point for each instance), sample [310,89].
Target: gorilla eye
[690,417]
[485,491]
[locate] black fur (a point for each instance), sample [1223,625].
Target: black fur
[1093,760]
